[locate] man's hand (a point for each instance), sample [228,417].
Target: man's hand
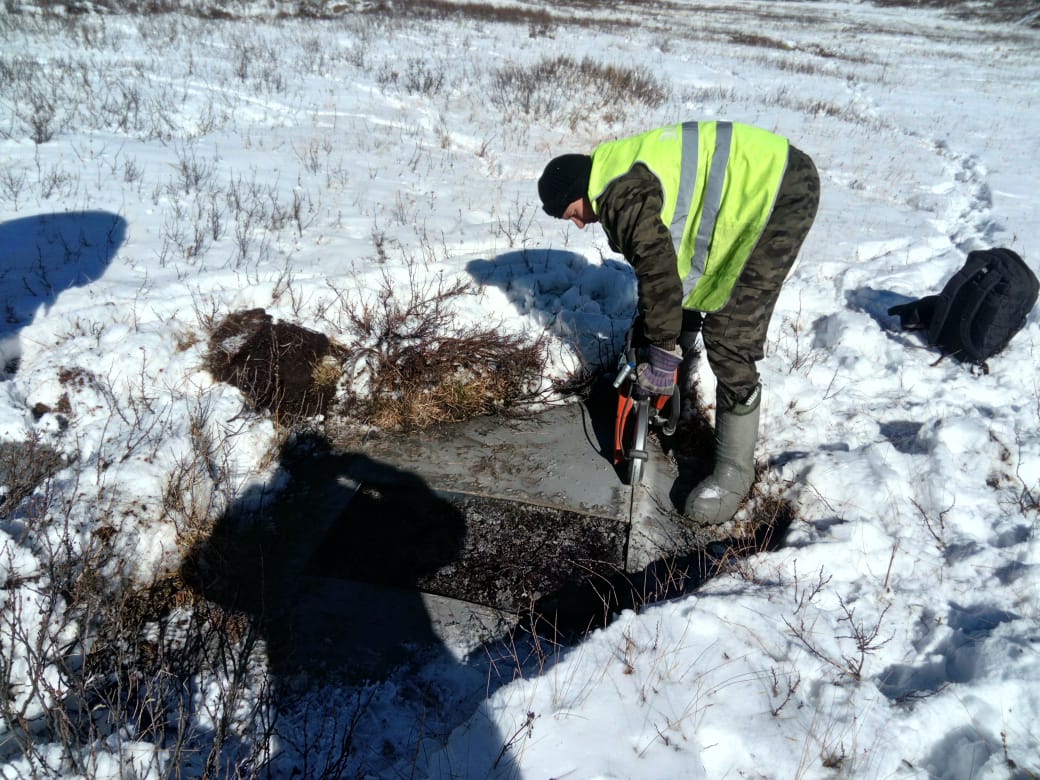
[655,371]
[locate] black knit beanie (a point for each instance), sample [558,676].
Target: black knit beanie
[565,179]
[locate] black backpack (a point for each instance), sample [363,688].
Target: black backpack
[978,311]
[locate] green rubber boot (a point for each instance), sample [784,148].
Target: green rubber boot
[716,499]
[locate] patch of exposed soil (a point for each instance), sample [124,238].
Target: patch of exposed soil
[275,364]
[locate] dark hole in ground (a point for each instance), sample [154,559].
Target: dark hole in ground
[504,554]
[579,606]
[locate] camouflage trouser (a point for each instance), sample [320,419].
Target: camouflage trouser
[735,335]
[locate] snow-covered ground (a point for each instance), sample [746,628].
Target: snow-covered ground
[159,172]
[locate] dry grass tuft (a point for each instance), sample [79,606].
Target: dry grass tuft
[411,364]
[423,368]
[562,89]
[761,41]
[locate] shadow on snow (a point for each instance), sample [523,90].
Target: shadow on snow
[327,573]
[44,255]
[574,299]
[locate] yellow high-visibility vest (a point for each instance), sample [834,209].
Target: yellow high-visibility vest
[720,181]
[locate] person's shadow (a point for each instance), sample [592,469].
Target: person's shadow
[565,293]
[43,255]
[328,574]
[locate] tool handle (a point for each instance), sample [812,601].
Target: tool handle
[623,374]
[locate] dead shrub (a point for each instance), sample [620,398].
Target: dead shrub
[410,363]
[24,466]
[753,39]
[149,649]
[90,660]
[564,89]
[414,76]
[444,9]
[416,366]
[993,11]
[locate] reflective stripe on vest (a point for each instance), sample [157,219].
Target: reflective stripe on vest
[687,183]
[712,204]
[712,200]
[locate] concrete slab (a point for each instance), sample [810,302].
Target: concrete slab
[551,459]
[451,538]
[446,541]
[559,458]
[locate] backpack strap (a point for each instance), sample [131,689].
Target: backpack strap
[915,315]
[976,261]
[984,286]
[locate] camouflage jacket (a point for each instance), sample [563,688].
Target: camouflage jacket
[630,213]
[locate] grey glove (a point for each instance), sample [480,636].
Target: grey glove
[655,371]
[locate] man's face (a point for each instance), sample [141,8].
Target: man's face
[580,213]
